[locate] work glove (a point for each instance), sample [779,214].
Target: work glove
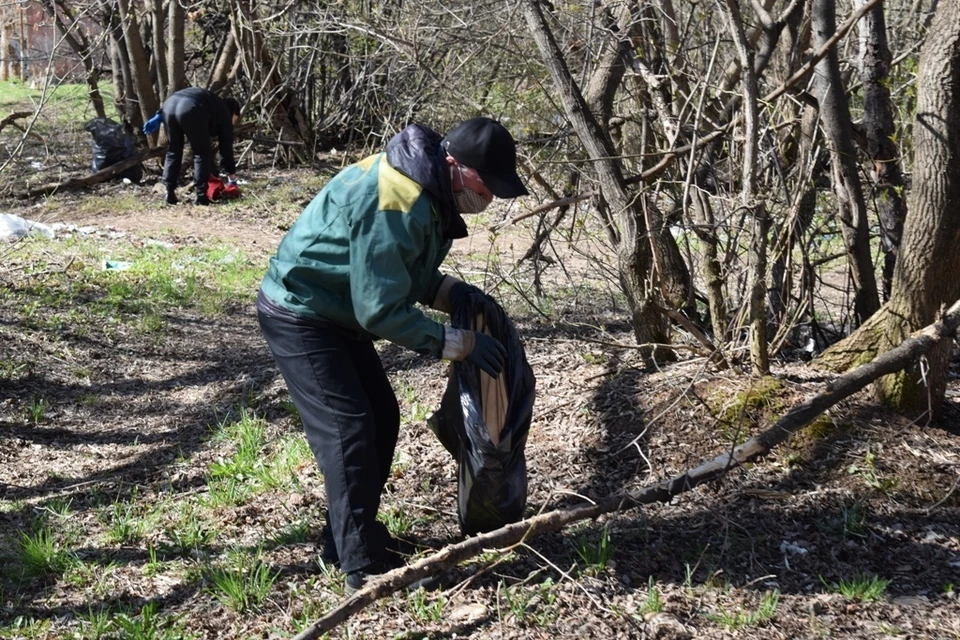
[488,354]
[476,348]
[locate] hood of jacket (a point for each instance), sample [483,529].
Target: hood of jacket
[416,153]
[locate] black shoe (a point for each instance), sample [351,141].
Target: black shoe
[202,201]
[172,197]
[395,546]
[357,580]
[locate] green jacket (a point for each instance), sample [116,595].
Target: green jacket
[362,253]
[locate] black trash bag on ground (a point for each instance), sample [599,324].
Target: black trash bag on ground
[487,441]
[111,144]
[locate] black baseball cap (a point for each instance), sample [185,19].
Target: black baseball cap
[485,145]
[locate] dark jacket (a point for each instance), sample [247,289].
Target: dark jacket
[193,108]
[368,247]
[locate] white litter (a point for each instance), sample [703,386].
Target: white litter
[14,227]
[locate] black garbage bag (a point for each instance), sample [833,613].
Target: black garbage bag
[487,441]
[111,144]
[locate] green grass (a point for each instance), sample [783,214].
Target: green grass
[860,588]
[740,618]
[67,105]
[424,608]
[159,282]
[41,553]
[148,624]
[534,605]
[243,582]
[294,533]
[398,520]
[596,553]
[654,601]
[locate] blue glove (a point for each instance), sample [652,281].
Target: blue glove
[487,353]
[459,290]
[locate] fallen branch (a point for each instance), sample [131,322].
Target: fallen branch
[13,117]
[797,418]
[103,175]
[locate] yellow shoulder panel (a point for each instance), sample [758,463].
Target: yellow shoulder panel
[397,191]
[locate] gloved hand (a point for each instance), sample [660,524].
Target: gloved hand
[487,353]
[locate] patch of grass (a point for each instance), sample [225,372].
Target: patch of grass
[280,467]
[243,582]
[24,628]
[740,619]
[531,605]
[654,601]
[398,520]
[150,625]
[40,553]
[11,368]
[425,609]
[95,624]
[37,409]
[860,588]
[189,533]
[295,533]
[596,554]
[331,577]
[159,280]
[868,472]
[125,524]
[92,576]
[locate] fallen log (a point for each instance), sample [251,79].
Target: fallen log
[797,418]
[107,173]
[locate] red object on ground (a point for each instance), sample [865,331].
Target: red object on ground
[217,189]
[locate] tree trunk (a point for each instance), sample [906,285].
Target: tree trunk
[176,67]
[925,275]
[157,32]
[878,127]
[759,358]
[835,118]
[634,250]
[220,73]
[139,66]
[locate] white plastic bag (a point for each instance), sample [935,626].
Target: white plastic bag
[14,227]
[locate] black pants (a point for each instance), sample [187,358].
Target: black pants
[185,118]
[351,419]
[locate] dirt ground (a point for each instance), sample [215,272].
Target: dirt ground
[861,495]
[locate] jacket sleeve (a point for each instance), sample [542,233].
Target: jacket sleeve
[383,245]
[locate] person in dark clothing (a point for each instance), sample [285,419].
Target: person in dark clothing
[350,271]
[198,115]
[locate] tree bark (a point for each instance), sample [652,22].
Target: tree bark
[797,418]
[634,250]
[926,273]
[837,125]
[879,129]
[176,45]
[139,66]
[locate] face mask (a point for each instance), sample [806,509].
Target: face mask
[468,200]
